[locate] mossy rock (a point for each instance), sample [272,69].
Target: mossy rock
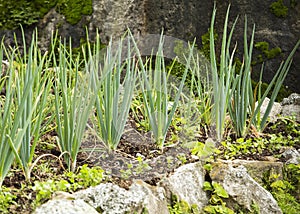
[28,12]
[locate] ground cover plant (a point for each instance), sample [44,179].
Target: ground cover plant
[87,112]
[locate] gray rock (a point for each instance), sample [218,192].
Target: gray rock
[292,156]
[275,110]
[243,189]
[256,169]
[112,199]
[65,206]
[187,183]
[154,201]
[291,106]
[292,99]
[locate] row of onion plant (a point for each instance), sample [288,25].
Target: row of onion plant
[232,89]
[105,81]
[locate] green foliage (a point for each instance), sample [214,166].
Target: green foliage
[222,78]
[279,9]
[27,12]
[216,203]
[204,150]
[155,82]
[242,147]
[182,207]
[74,100]
[283,92]
[285,191]
[6,199]
[113,92]
[205,40]
[246,147]
[74,9]
[86,177]
[14,13]
[268,53]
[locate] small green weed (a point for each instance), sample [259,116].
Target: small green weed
[6,199]
[182,207]
[86,177]
[218,193]
[241,147]
[285,191]
[279,9]
[45,189]
[70,182]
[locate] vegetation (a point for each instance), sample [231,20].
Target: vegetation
[279,9]
[25,12]
[100,91]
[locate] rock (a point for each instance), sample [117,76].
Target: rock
[294,98]
[275,110]
[65,206]
[155,200]
[256,169]
[187,183]
[292,156]
[291,106]
[112,199]
[243,189]
[184,20]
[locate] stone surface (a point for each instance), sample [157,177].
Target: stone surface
[275,110]
[256,169]
[112,199]
[243,189]
[65,206]
[292,156]
[291,106]
[155,197]
[186,183]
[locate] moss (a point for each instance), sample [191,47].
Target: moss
[205,49]
[274,52]
[74,9]
[279,9]
[268,53]
[283,92]
[27,12]
[14,13]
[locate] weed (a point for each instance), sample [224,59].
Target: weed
[218,193]
[279,9]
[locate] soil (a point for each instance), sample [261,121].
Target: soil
[152,165]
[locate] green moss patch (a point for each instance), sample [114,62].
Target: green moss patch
[28,12]
[279,9]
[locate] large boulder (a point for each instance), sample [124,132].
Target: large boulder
[242,188]
[65,206]
[112,199]
[187,183]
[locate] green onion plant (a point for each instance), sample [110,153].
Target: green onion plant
[74,100]
[32,88]
[245,104]
[114,76]
[159,106]
[275,84]
[242,94]
[222,78]
[13,124]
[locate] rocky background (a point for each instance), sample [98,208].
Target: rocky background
[278,28]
